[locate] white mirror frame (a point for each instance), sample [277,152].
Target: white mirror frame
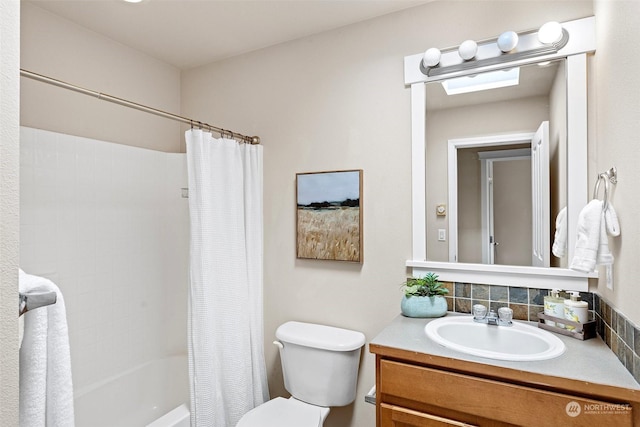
[581,42]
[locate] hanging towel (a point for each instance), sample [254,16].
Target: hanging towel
[611,221]
[589,237]
[559,247]
[46,390]
[592,244]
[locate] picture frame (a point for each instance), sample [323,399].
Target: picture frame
[329,215]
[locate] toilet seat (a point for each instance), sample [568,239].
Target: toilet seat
[281,412]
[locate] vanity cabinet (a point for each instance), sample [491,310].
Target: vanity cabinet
[433,387]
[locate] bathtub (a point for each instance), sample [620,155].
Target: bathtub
[154,394]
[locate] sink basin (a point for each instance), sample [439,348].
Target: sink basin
[519,342]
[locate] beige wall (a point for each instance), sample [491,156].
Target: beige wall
[326,102]
[9,209]
[614,140]
[337,101]
[60,49]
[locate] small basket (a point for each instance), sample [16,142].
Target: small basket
[582,331]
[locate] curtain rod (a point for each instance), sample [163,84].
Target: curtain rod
[103,96]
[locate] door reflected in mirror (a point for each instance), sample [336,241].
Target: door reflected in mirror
[502,206]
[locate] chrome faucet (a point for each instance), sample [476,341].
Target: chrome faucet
[503,318]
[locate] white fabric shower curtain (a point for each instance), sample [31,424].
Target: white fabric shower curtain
[226,348]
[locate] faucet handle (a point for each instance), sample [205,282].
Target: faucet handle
[479,311]
[505,314]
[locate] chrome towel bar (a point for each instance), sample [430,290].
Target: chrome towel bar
[35,300]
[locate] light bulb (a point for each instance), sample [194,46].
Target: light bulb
[468,49]
[550,33]
[508,41]
[431,57]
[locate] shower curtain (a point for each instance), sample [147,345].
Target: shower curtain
[227,371]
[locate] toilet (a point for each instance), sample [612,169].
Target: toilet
[320,368]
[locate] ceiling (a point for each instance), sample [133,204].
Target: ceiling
[191,33]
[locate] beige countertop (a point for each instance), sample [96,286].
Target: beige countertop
[590,361]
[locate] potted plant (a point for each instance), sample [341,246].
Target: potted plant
[424,297]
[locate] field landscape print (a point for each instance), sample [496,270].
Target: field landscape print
[329,215]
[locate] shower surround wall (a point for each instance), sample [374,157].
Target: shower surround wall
[107,223]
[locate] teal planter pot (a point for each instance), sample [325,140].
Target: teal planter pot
[415,306]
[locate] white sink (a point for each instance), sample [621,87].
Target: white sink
[518,342]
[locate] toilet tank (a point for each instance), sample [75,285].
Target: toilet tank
[320,363]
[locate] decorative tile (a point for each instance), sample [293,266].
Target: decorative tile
[606,310]
[536,296]
[449,303]
[449,286]
[533,312]
[636,367]
[463,290]
[480,292]
[628,358]
[463,305]
[499,293]
[588,297]
[520,311]
[518,295]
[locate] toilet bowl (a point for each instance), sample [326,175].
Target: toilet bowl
[320,369]
[281,412]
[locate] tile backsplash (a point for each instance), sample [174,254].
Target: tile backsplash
[526,303]
[620,334]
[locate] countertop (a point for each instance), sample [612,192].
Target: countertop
[590,361]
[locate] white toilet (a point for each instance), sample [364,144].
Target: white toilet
[320,367]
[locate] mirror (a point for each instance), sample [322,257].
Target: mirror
[429,177]
[479,148]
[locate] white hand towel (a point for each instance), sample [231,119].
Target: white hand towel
[559,247]
[609,226]
[611,221]
[46,389]
[588,239]
[604,256]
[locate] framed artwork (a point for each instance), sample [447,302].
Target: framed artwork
[329,215]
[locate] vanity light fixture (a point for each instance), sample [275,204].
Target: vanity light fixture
[507,41]
[468,50]
[133,1]
[508,47]
[431,57]
[550,33]
[484,81]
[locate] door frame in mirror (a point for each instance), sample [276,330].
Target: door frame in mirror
[452,177]
[581,42]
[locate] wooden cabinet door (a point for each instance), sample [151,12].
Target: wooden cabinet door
[397,416]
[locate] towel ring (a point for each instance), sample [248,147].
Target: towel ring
[609,176]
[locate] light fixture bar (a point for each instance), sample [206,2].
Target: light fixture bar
[489,54]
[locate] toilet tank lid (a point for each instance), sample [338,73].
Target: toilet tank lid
[320,336]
